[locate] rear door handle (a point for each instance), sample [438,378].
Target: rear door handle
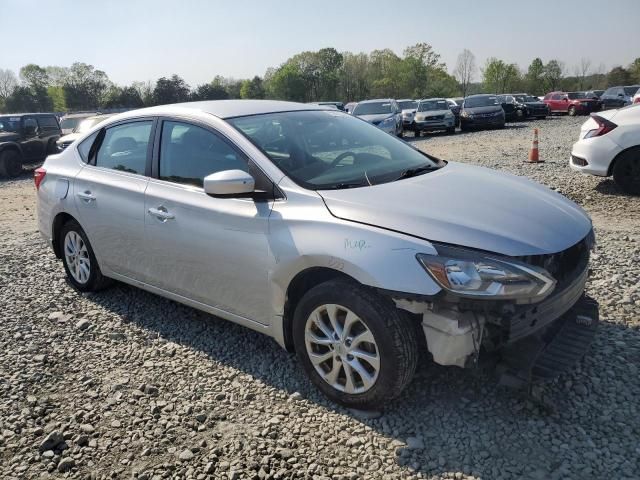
[86,195]
[161,213]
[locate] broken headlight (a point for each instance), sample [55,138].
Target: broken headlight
[473,274]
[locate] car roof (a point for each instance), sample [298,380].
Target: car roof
[29,114]
[431,99]
[377,100]
[483,95]
[226,108]
[85,114]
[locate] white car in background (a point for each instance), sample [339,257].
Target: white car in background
[408,107]
[71,120]
[609,144]
[82,127]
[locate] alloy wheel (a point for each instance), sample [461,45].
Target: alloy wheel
[77,257]
[342,349]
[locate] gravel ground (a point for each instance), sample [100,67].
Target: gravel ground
[125,384]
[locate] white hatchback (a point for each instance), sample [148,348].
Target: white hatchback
[609,144]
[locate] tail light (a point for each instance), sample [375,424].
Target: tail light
[604,127]
[636,100]
[38,176]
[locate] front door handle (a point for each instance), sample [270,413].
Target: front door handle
[86,195]
[161,213]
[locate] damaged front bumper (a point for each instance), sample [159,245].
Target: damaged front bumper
[524,342]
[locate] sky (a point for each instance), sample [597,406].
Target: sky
[198,39]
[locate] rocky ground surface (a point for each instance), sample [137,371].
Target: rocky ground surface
[124,384]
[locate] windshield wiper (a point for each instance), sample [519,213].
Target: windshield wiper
[412,172]
[341,186]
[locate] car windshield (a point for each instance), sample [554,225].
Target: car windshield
[630,90]
[323,150]
[529,98]
[70,123]
[88,123]
[577,95]
[410,105]
[430,105]
[484,101]
[372,108]
[10,124]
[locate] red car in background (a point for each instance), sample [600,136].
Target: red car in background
[572,103]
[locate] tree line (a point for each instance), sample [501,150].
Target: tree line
[323,75]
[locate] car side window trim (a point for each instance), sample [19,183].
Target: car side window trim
[155,163]
[93,151]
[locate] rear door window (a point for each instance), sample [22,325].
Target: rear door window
[48,123]
[125,147]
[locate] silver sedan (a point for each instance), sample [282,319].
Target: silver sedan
[346,245]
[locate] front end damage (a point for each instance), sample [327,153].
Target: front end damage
[524,342]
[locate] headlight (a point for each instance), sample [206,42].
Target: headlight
[472,274]
[420,118]
[464,114]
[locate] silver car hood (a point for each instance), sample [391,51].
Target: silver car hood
[376,117]
[468,206]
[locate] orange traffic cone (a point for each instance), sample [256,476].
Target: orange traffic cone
[534,156]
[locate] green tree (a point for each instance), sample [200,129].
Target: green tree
[84,86]
[619,76]
[210,91]
[634,71]
[252,88]
[287,83]
[552,75]
[535,77]
[500,77]
[34,76]
[56,93]
[170,90]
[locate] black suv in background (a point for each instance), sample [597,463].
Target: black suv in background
[481,111]
[534,107]
[26,138]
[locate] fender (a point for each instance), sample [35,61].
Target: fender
[11,144]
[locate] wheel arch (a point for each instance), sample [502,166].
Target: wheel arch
[11,146]
[298,286]
[615,159]
[60,220]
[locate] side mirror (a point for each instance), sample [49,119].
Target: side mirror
[621,95]
[230,183]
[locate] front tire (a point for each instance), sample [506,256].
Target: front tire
[10,163]
[451,130]
[626,171]
[572,111]
[354,344]
[78,258]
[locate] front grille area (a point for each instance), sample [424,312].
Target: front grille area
[564,266]
[570,269]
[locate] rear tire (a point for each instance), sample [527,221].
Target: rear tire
[572,111]
[78,258]
[10,163]
[372,357]
[626,171]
